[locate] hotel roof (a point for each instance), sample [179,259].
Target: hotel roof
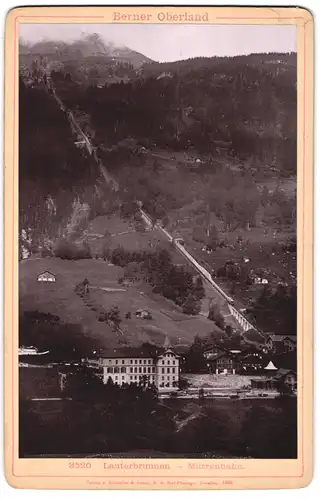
[134,352]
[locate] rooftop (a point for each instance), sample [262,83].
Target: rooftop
[280,338]
[134,352]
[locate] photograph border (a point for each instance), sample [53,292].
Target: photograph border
[261,473]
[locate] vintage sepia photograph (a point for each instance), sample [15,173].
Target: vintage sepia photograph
[158,240]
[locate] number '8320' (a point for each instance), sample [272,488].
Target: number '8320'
[79,465]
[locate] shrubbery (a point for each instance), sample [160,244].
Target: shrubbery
[215,315]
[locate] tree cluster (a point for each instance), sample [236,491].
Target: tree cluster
[276,311]
[68,250]
[174,282]
[53,172]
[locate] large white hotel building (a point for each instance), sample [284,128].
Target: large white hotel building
[134,365]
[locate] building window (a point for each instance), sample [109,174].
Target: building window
[163,378]
[123,369]
[109,369]
[169,362]
[173,370]
[135,361]
[123,377]
[131,370]
[167,378]
[139,370]
[116,369]
[135,369]
[144,369]
[148,369]
[144,361]
[131,361]
[149,361]
[131,378]
[140,361]
[163,362]
[153,369]
[168,370]
[122,361]
[163,370]
[116,362]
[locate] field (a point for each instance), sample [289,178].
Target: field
[166,317]
[122,233]
[59,298]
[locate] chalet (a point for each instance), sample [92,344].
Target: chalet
[143,314]
[213,352]
[159,367]
[287,377]
[252,361]
[281,343]
[46,277]
[260,281]
[224,364]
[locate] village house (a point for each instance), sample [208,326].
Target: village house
[281,343]
[143,314]
[272,383]
[139,366]
[214,351]
[232,358]
[252,361]
[46,277]
[223,364]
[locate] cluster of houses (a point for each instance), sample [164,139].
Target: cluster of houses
[248,360]
[267,366]
[162,368]
[281,343]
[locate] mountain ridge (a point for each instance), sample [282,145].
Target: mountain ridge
[81,48]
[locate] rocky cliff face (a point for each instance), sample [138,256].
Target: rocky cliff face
[56,179]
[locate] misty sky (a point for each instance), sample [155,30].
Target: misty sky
[166,42]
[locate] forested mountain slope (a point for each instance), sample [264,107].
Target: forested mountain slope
[54,175]
[251,107]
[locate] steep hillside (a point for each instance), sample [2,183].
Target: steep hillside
[59,300]
[208,146]
[247,109]
[56,179]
